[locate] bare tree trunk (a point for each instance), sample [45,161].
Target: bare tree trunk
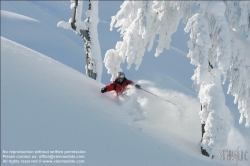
[203,151]
[73,20]
[86,40]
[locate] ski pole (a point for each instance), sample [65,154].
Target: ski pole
[157,96]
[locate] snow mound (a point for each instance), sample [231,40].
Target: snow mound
[11,15]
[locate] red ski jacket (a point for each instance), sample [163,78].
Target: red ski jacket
[119,87]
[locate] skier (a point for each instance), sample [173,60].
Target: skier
[119,85]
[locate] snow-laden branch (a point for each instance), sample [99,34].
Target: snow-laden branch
[199,45]
[240,76]
[220,34]
[112,61]
[139,23]
[79,24]
[239,16]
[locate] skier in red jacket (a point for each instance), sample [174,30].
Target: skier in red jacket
[119,85]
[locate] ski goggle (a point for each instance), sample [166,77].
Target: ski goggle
[120,79]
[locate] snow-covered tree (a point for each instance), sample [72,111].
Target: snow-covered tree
[240,76]
[209,50]
[239,17]
[239,21]
[217,31]
[88,31]
[141,21]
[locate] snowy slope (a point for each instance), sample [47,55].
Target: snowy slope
[46,105]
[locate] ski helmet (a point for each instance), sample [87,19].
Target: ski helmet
[120,75]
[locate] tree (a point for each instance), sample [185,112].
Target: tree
[215,48]
[239,22]
[88,31]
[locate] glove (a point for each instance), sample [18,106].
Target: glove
[103,90]
[137,86]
